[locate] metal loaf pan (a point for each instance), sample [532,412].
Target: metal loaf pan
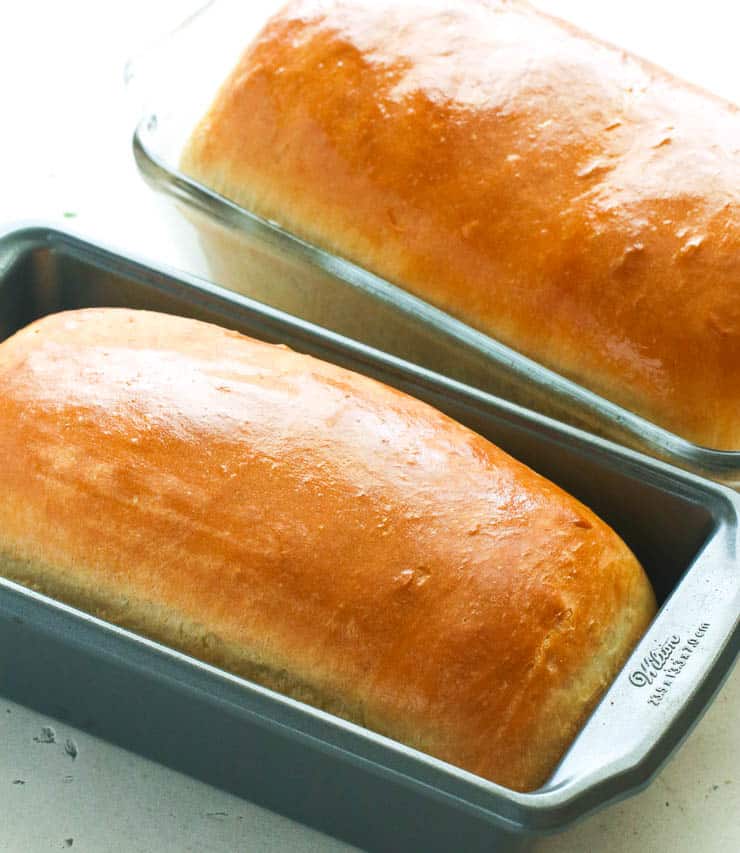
[258,258]
[305,763]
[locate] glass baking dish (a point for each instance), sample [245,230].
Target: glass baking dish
[173,84]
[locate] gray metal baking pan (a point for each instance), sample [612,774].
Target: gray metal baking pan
[314,767]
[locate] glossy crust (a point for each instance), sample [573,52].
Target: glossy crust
[313,530]
[569,199]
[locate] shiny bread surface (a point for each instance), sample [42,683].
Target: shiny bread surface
[567,198]
[313,530]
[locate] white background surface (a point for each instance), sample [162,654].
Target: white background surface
[65,148]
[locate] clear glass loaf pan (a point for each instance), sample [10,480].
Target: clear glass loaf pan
[310,765]
[173,84]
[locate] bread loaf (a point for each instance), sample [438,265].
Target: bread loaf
[312,530]
[555,192]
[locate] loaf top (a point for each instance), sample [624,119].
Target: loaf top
[571,200]
[314,530]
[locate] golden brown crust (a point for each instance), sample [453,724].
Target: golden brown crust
[313,530]
[571,200]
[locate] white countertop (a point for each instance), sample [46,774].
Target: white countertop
[65,149]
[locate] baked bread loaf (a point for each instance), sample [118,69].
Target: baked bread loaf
[312,530]
[567,198]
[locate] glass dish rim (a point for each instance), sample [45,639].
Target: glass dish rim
[175,183]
